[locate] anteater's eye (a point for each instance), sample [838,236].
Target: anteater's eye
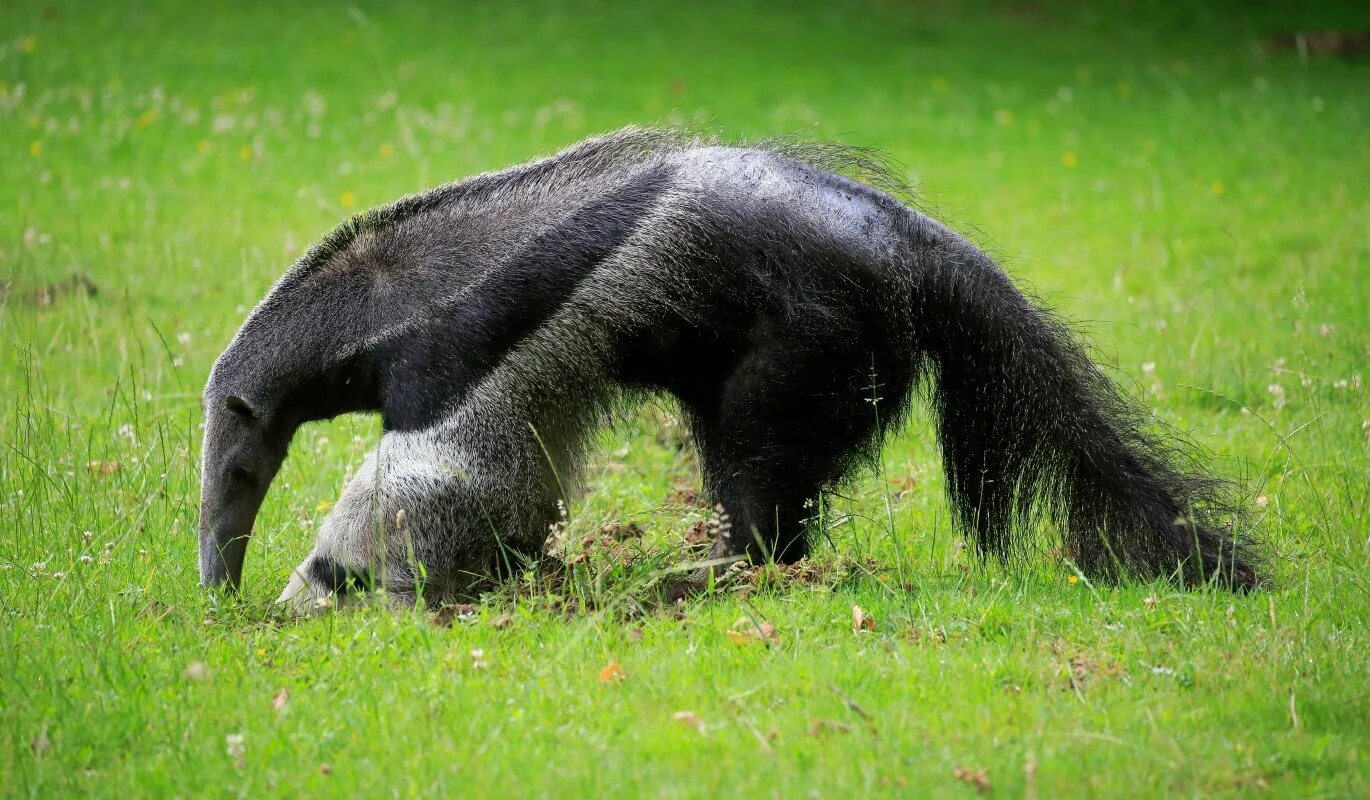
[238,406]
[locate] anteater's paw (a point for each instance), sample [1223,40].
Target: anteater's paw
[302,597]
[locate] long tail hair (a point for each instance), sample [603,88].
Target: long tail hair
[1029,425]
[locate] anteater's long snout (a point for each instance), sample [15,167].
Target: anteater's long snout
[236,471]
[223,547]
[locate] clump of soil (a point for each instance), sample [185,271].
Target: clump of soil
[46,294]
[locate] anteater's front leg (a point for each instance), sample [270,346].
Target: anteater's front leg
[419,519]
[349,549]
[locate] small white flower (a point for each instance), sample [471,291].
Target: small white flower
[85,559]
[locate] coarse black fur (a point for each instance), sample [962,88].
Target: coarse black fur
[790,310]
[337,578]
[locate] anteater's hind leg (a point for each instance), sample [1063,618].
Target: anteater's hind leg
[792,418]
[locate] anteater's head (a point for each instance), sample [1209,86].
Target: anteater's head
[245,442]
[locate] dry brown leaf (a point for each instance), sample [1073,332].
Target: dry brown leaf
[324,769]
[502,621]
[451,612]
[102,468]
[818,727]
[687,496]
[622,530]
[689,719]
[904,484]
[976,778]
[281,699]
[699,533]
[746,631]
[860,620]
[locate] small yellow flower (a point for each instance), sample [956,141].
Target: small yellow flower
[1124,89]
[1069,159]
[28,44]
[348,199]
[245,152]
[386,149]
[202,146]
[146,118]
[35,148]
[323,505]
[1216,187]
[939,83]
[1004,117]
[261,651]
[1073,579]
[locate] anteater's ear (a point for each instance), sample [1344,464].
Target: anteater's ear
[238,406]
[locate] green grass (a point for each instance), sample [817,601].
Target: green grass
[1153,171]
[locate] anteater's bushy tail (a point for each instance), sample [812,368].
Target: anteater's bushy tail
[1030,425]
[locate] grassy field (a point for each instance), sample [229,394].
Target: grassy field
[1158,171]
